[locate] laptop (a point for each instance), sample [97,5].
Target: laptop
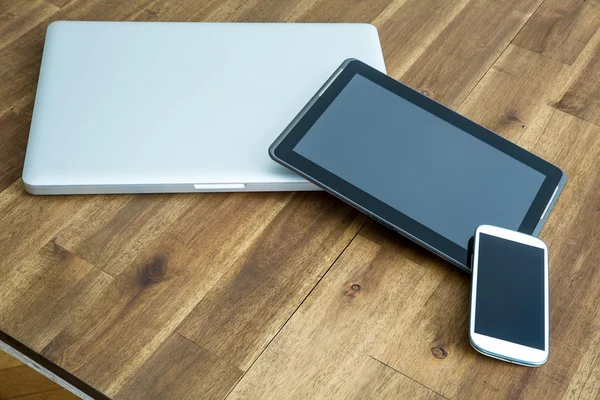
[152,107]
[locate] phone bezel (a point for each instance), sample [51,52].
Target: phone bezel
[503,349]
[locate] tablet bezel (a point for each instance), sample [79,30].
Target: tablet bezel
[282,152]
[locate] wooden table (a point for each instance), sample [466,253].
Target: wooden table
[283,295]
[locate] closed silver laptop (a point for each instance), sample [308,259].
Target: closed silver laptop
[136,107]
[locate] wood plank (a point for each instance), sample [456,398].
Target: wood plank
[12,152]
[111,236]
[99,11]
[582,99]
[408,28]
[63,295]
[7,361]
[28,224]
[374,380]
[360,11]
[192,373]
[151,297]
[20,66]
[514,91]
[368,379]
[561,29]
[324,344]
[265,11]
[247,306]
[16,18]
[205,11]
[586,382]
[59,3]
[446,71]
[20,381]
[57,394]
[220,228]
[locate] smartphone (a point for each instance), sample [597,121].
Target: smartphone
[510,296]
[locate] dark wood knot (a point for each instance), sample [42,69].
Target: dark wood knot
[512,116]
[154,270]
[439,352]
[352,289]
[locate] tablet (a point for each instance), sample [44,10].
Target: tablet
[413,164]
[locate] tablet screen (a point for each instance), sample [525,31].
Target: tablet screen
[433,172]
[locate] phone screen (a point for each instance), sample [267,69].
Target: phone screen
[510,292]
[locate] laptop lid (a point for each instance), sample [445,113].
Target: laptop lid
[134,107]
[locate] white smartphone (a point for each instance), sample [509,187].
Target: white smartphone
[510,298]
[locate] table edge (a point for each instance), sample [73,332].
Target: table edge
[47,368]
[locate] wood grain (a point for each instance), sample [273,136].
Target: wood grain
[61,294]
[335,329]
[25,383]
[561,29]
[246,307]
[7,361]
[20,381]
[13,150]
[459,56]
[296,295]
[17,19]
[56,394]
[180,379]
[581,99]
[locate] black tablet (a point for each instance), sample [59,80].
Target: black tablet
[413,164]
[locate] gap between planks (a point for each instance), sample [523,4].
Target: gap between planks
[403,374]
